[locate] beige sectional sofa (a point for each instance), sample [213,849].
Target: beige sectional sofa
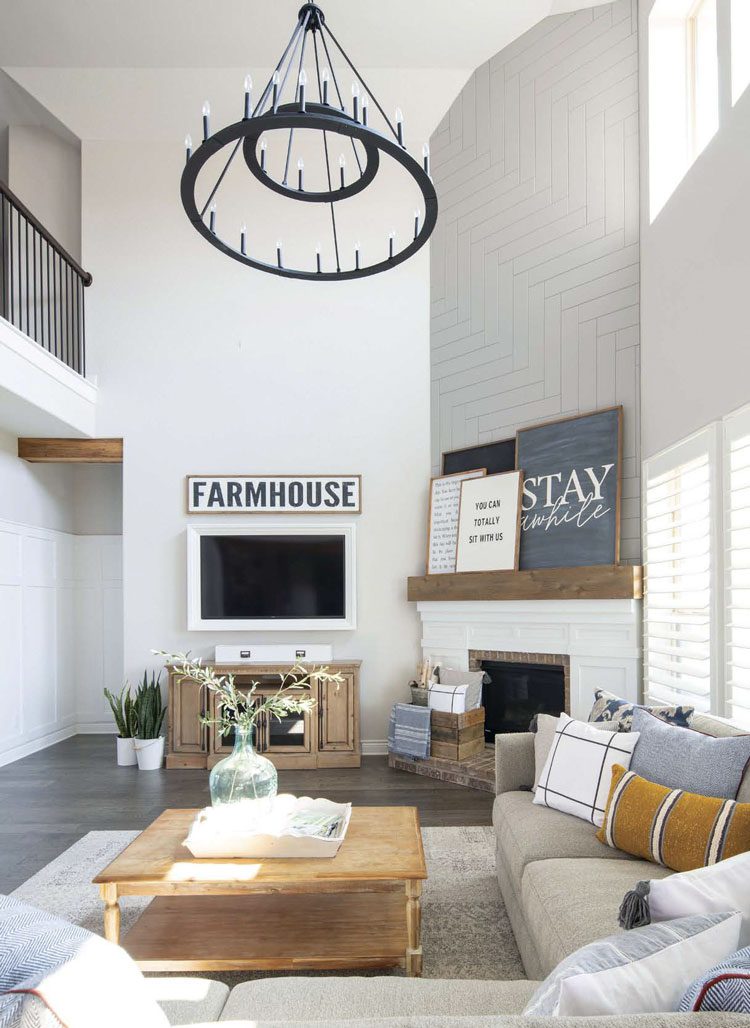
[562,889]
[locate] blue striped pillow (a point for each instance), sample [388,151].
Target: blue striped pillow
[725,987]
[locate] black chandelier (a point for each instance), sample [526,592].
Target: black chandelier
[327,115]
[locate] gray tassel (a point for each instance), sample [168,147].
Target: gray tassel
[634,909]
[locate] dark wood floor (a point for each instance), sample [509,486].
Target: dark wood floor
[51,799]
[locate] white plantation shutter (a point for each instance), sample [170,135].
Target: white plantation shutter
[737,566]
[679,543]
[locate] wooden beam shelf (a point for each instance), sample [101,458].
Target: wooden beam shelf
[598,582]
[70,451]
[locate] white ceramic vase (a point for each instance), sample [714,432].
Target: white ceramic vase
[149,753]
[126,752]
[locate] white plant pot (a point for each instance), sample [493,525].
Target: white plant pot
[149,753]
[126,752]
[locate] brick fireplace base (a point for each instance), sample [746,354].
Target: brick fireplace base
[475,773]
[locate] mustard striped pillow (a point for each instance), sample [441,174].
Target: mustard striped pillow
[678,829]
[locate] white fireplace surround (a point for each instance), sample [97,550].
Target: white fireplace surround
[601,637]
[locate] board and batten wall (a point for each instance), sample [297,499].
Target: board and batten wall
[535,258]
[60,601]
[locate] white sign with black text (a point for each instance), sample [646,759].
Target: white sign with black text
[489,523]
[274,494]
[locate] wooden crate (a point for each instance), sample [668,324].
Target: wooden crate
[457,736]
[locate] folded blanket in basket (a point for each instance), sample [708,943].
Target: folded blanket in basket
[409,730]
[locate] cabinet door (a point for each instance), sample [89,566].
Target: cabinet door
[188,734]
[336,714]
[291,735]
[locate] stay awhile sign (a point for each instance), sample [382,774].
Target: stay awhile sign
[570,505]
[274,494]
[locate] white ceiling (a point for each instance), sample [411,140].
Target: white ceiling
[141,68]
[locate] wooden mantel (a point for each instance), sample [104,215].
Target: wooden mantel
[598,582]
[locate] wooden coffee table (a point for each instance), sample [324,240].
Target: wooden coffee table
[359,909]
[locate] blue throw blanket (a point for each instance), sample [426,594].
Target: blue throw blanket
[409,730]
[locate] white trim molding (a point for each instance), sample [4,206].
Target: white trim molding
[195,620]
[601,637]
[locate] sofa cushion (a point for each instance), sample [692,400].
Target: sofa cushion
[527,832]
[570,903]
[187,1000]
[349,998]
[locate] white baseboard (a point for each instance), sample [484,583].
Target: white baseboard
[96,728]
[34,745]
[374,747]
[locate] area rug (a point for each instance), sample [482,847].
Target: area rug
[465,928]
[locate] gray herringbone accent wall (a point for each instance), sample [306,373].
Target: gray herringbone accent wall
[535,255]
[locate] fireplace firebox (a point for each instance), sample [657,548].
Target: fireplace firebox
[517,691]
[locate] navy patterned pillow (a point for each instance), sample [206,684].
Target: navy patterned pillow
[725,987]
[608,707]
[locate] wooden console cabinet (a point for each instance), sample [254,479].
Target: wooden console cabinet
[328,736]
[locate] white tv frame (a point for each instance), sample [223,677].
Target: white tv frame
[197,623]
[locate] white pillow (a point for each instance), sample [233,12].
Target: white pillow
[449,698]
[577,774]
[472,679]
[706,890]
[640,972]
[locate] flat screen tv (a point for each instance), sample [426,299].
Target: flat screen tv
[270,578]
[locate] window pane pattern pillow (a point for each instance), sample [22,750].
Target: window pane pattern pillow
[677,829]
[578,771]
[689,760]
[473,679]
[725,987]
[644,971]
[610,708]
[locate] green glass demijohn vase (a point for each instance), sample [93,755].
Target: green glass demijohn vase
[243,775]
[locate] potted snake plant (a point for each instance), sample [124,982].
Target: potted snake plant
[150,711]
[123,711]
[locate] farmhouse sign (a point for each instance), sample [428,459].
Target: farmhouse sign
[274,494]
[570,507]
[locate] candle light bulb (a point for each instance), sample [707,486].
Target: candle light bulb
[275,78]
[302,82]
[356,255]
[300,172]
[248,91]
[302,77]
[364,110]
[342,161]
[355,89]
[206,110]
[278,252]
[416,224]
[324,77]
[188,146]
[212,217]
[275,84]
[301,164]
[317,257]
[391,242]
[263,148]
[243,236]
[400,125]
[355,100]
[342,170]
[426,157]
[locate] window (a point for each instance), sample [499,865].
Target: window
[740,48]
[737,565]
[679,643]
[683,88]
[697,558]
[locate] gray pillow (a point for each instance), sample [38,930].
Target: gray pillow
[681,758]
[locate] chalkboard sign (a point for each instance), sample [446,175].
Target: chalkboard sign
[496,457]
[570,508]
[442,528]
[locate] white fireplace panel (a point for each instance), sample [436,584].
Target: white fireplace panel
[602,638]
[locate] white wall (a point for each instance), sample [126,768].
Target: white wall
[44,171]
[535,259]
[694,334]
[205,366]
[60,606]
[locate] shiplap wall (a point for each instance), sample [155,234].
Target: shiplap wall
[535,292]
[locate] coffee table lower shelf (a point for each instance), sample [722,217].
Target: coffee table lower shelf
[280,932]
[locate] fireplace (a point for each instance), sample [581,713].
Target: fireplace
[521,685]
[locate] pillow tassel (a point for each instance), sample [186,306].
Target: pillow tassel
[634,909]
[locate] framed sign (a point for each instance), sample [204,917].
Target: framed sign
[442,528]
[489,523]
[495,457]
[570,511]
[274,494]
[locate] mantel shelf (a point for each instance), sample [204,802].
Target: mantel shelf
[598,582]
